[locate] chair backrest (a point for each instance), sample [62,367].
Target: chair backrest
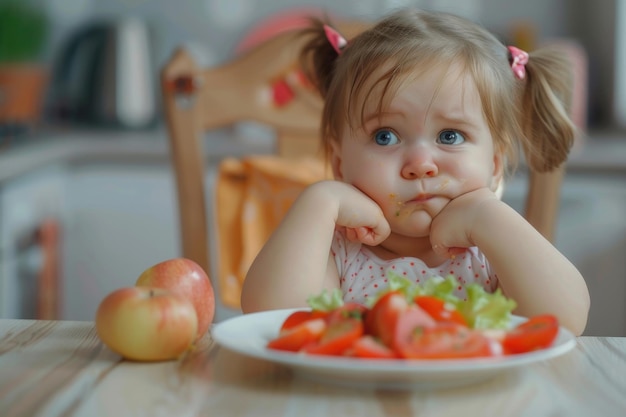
[263,85]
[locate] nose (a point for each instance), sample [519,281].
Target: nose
[419,164]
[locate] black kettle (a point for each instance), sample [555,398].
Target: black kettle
[105,76]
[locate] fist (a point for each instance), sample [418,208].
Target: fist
[452,229]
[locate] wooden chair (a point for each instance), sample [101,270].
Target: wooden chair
[259,86]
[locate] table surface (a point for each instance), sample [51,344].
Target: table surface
[60,368]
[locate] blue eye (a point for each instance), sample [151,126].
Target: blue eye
[385,137]
[450,137]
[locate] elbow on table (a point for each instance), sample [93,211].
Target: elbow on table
[577,322]
[249,304]
[254,300]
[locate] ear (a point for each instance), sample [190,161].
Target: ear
[497,176]
[335,161]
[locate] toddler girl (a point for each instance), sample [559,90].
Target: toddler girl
[423,114]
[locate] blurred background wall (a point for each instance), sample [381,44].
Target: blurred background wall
[217,26]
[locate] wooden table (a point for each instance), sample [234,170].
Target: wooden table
[60,368]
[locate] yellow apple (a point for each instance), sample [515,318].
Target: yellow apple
[146,324]
[185,277]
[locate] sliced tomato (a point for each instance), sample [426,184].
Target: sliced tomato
[339,335]
[381,320]
[348,310]
[303,334]
[417,338]
[367,346]
[536,333]
[439,310]
[299,317]
[409,322]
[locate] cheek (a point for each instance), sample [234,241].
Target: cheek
[472,173]
[372,177]
[359,166]
[370,180]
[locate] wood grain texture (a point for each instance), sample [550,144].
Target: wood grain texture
[60,368]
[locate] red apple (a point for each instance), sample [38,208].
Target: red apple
[185,277]
[146,324]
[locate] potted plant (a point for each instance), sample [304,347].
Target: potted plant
[23,78]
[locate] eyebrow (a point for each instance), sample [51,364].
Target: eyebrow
[381,115]
[454,120]
[457,120]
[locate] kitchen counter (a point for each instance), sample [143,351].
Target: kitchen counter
[60,368]
[600,152]
[87,146]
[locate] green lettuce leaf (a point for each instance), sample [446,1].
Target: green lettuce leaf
[326,301]
[482,310]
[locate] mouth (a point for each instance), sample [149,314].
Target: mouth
[418,203]
[421,198]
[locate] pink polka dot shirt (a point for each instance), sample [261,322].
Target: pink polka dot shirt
[363,274]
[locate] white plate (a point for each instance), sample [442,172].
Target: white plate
[249,334]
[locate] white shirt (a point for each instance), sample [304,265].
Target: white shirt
[362,274]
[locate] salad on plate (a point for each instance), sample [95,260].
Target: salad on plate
[414,321]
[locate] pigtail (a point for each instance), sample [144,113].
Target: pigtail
[318,56]
[545,109]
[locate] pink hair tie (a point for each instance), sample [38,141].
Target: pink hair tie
[518,61]
[336,40]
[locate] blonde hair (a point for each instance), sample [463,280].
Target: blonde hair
[531,113]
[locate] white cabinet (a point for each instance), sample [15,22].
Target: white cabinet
[123,219]
[32,206]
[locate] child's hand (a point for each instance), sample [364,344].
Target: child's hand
[452,229]
[359,215]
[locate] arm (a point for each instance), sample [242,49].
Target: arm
[296,262]
[530,269]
